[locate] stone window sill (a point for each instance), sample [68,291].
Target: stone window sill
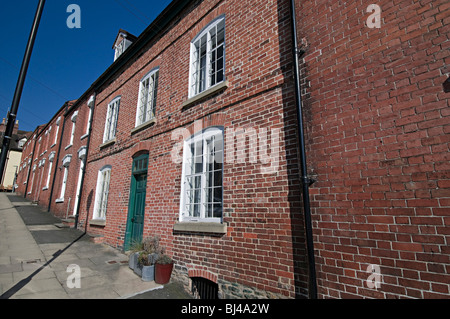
[143,126]
[97,222]
[205,94]
[213,228]
[108,143]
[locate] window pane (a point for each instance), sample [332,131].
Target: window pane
[153,97]
[221,32]
[220,66]
[107,124]
[106,177]
[217,210]
[218,178]
[198,157]
[213,41]
[189,197]
[111,120]
[197,196]
[198,182]
[144,100]
[217,53]
[218,195]
[202,79]
[201,50]
[208,210]
[210,179]
[218,165]
[189,210]
[188,167]
[196,210]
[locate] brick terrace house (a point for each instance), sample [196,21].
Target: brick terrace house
[192,134]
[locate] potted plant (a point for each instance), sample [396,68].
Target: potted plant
[163,269]
[150,250]
[147,264]
[135,249]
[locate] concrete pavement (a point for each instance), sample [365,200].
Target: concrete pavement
[40,259]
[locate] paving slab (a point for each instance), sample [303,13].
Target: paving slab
[35,256]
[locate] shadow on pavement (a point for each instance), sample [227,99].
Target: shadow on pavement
[8,294]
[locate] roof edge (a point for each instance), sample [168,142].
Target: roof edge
[160,22]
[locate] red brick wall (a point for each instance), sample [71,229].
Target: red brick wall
[378,125]
[36,190]
[66,208]
[27,154]
[264,245]
[43,197]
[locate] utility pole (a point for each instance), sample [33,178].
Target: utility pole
[12,114]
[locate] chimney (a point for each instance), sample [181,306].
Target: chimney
[16,127]
[3,126]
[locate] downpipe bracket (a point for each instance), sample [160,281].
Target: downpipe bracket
[300,51]
[308,181]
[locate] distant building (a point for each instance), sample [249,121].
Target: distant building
[12,166]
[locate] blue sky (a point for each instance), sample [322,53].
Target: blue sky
[65,62]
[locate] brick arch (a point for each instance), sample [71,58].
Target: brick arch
[207,20]
[141,147]
[203,274]
[107,161]
[216,119]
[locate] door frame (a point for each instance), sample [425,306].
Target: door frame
[139,168]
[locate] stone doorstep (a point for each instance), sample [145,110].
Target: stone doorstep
[97,239]
[66,223]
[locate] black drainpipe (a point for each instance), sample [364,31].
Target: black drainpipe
[85,163]
[306,181]
[57,157]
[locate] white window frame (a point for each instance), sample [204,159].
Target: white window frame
[88,120]
[51,157]
[111,120]
[77,195]
[120,48]
[148,93]
[32,179]
[188,189]
[201,81]
[74,121]
[66,162]
[101,193]
[72,134]
[22,142]
[57,131]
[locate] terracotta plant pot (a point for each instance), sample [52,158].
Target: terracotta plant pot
[163,273]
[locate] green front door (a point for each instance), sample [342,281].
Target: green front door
[136,207]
